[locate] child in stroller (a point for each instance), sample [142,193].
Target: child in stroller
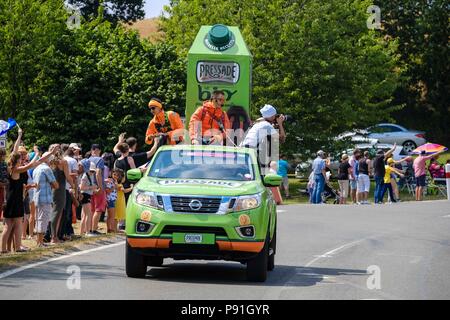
[328,191]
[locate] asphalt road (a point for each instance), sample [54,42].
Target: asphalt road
[399,251]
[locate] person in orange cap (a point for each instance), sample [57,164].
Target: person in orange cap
[209,122]
[164,123]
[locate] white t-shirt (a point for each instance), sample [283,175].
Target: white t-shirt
[73,166]
[258,133]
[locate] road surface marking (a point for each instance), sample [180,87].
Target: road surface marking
[330,253]
[447,216]
[34,265]
[275,293]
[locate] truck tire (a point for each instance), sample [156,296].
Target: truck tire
[135,265]
[257,266]
[272,251]
[155,261]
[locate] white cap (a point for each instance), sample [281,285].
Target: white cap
[49,159]
[74,146]
[268,111]
[92,166]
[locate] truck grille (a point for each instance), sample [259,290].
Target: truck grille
[190,204]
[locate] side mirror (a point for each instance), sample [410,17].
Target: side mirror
[272,180]
[134,174]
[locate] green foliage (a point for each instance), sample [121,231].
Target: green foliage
[114,10]
[86,85]
[315,60]
[422,31]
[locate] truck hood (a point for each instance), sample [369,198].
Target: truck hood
[199,186]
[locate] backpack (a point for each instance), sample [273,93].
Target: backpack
[239,118]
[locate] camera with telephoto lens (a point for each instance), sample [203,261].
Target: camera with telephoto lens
[287,118]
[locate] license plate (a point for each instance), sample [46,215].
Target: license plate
[193,238]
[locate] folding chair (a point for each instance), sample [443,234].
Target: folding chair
[438,186]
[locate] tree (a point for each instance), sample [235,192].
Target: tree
[421,29]
[127,11]
[31,34]
[105,85]
[83,85]
[315,60]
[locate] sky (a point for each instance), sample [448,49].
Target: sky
[153,8]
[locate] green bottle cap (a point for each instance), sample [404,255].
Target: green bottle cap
[219,35]
[219,38]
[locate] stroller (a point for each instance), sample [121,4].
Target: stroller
[330,194]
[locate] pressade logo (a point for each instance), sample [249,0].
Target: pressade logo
[217,71]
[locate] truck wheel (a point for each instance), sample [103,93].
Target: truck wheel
[155,261]
[272,251]
[135,265]
[257,266]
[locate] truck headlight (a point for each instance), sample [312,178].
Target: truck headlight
[247,202]
[148,199]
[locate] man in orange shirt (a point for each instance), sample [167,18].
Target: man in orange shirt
[164,123]
[209,122]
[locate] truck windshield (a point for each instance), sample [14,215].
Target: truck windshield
[190,164]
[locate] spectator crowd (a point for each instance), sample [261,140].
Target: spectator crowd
[355,171]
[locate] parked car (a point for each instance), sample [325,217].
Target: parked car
[393,133]
[202,202]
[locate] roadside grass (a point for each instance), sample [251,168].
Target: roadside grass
[16,259]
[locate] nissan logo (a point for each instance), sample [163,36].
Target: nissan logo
[195,205]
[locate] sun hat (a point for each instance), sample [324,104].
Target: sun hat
[74,145]
[268,111]
[344,156]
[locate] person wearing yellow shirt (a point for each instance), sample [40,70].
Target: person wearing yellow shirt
[166,124]
[389,168]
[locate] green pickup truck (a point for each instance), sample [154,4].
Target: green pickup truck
[202,202]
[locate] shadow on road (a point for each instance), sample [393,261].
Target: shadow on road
[235,274]
[226,273]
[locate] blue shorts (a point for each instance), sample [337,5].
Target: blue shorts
[111,204]
[420,181]
[353,184]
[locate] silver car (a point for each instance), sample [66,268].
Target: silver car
[393,133]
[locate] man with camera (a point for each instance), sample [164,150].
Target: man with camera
[265,126]
[165,124]
[208,124]
[264,136]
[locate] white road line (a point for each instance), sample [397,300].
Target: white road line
[330,253]
[275,293]
[34,265]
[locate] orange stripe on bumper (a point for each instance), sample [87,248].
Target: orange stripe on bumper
[223,245]
[240,246]
[148,243]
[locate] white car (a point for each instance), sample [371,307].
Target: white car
[393,133]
